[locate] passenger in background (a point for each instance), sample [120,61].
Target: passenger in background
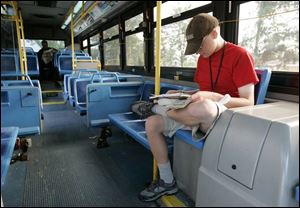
[223,68]
[45,56]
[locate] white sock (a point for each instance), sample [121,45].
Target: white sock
[165,172]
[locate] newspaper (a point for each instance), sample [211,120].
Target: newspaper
[178,95]
[172,100]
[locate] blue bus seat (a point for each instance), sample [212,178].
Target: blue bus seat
[74,73]
[82,73]
[32,65]
[8,140]
[264,76]
[10,64]
[35,83]
[71,85]
[65,52]
[21,105]
[64,65]
[80,86]
[29,51]
[132,124]
[111,97]
[66,89]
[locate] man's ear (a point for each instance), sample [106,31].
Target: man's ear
[214,34]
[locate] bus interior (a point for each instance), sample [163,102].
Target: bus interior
[71,72]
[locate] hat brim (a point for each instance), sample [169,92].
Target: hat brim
[192,47]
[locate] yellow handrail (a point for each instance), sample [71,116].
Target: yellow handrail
[168,201]
[157,69]
[72,41]
[24,47]
[157,47]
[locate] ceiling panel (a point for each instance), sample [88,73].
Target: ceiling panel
[45,15]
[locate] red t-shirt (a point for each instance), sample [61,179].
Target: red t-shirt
[237,70]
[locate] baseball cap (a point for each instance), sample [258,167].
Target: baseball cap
[200,26]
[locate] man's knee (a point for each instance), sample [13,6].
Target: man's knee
[203,109]
[154,124]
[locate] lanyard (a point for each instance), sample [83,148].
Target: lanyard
[214,83]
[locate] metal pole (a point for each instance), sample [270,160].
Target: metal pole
[157,69]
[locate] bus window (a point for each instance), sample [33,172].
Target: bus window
[95,52]
[173,8]
[112,53]
[111,47]
[133,22]
[111,32]
[94,39]
[270,31]
[173,44]
[135,50]
[36,44]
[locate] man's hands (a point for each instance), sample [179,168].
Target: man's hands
[200,95]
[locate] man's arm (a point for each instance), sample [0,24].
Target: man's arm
[246,98]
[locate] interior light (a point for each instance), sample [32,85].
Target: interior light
[77,7]
[63,26]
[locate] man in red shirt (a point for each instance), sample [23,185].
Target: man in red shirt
[226,77]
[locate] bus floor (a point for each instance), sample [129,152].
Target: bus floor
[65,168]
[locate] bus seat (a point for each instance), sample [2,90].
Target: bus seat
[80,86]
[8,140]
[64,65]
[82,73]
[75,73]
[10,64]
[24,101]
[132,124]
[29,51]
[71,87]
[264,76]
[32,65]
[117,97]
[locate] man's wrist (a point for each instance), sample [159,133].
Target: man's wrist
[216,96]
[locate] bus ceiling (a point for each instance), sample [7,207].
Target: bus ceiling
[44,12]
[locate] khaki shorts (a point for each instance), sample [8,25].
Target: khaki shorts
[171,126]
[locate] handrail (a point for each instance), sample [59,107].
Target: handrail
[100,76]
[157,69]
[19,75]
[90,71]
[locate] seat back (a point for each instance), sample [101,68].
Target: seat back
[10,64]
[21,107]
[33,65]
[261,88]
